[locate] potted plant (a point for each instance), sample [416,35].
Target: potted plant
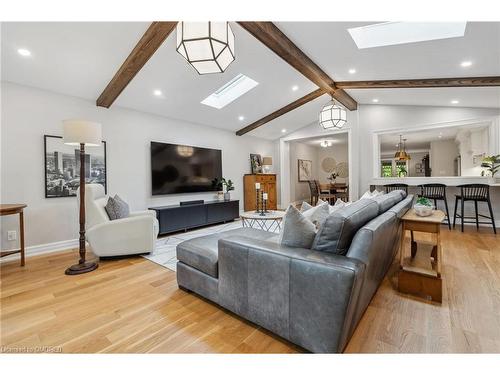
[228,185]
[491,165]
[333,177]
[423,207]
[402,171]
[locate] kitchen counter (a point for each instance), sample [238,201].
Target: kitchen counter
[448,181]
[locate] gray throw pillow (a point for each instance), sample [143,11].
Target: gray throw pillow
[318,214]
[338,230]
[117,208]
[305,206]
[296,230]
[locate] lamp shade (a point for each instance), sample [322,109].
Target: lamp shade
[77,132]
[267,160]
[207,46]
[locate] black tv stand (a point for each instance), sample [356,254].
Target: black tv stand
[177,218]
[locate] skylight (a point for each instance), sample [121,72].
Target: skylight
[392,33]
[231,91]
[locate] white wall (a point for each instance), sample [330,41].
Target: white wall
[442,157]
[27,114]
[339,153]
[300,190]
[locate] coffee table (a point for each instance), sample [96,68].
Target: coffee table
[270,221]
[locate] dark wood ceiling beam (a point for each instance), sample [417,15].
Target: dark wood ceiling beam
[273,38]
[152,39]
[299,102]
[421,83]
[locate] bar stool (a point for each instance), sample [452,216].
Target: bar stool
[436,192]
[475,193]
[391,187]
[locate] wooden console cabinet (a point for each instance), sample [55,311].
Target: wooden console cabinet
[267,184]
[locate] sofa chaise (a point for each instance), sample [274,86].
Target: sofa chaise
[314,299]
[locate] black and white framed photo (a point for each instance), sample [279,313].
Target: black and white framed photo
[62,167]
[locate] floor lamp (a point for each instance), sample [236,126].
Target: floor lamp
[82,133]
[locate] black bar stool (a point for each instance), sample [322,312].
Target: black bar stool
[475,193]
[436,192]
[391,187]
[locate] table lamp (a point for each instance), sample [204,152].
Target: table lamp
[267,161]
[82,133]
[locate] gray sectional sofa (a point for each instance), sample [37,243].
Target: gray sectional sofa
[314,299]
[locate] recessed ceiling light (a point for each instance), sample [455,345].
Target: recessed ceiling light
[352,71]
[295,88]
[24,52]
[375,100]
[392,33]
[455,102]
[232,90]
[283,130]
[157,92]
[465,64]
[241,118]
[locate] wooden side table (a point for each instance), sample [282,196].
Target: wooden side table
[415,276]
[12,209]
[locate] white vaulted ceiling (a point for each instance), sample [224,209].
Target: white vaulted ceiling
[79,59]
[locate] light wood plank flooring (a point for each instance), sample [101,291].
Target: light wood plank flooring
[134,305]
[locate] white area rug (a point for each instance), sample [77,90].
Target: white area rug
[164,253]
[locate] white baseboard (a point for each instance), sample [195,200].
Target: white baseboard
[44,249]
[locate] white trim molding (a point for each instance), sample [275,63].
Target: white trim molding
[44,249]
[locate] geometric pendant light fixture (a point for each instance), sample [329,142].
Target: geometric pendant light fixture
[332,116]
[207,46]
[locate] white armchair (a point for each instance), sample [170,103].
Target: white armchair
[135,234]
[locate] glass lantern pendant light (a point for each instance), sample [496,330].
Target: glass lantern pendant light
[207,46]
[332,116]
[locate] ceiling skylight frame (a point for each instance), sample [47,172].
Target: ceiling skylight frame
[397,33]
[230,91]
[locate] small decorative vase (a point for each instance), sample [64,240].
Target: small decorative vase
[227,196]
[423,210]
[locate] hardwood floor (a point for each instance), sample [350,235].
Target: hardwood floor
[134,305]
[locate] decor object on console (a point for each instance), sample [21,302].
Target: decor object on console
[228,185]
[135,234]
[304,170]
[255,163]
[332,116]
[423,207]
[266,183]
[62,167]
[267,162]
[83,133]
[207,46]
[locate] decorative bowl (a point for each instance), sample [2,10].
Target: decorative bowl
[423,210]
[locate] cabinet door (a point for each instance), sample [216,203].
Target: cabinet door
[272,195]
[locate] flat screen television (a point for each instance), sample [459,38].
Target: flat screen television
[177,169]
